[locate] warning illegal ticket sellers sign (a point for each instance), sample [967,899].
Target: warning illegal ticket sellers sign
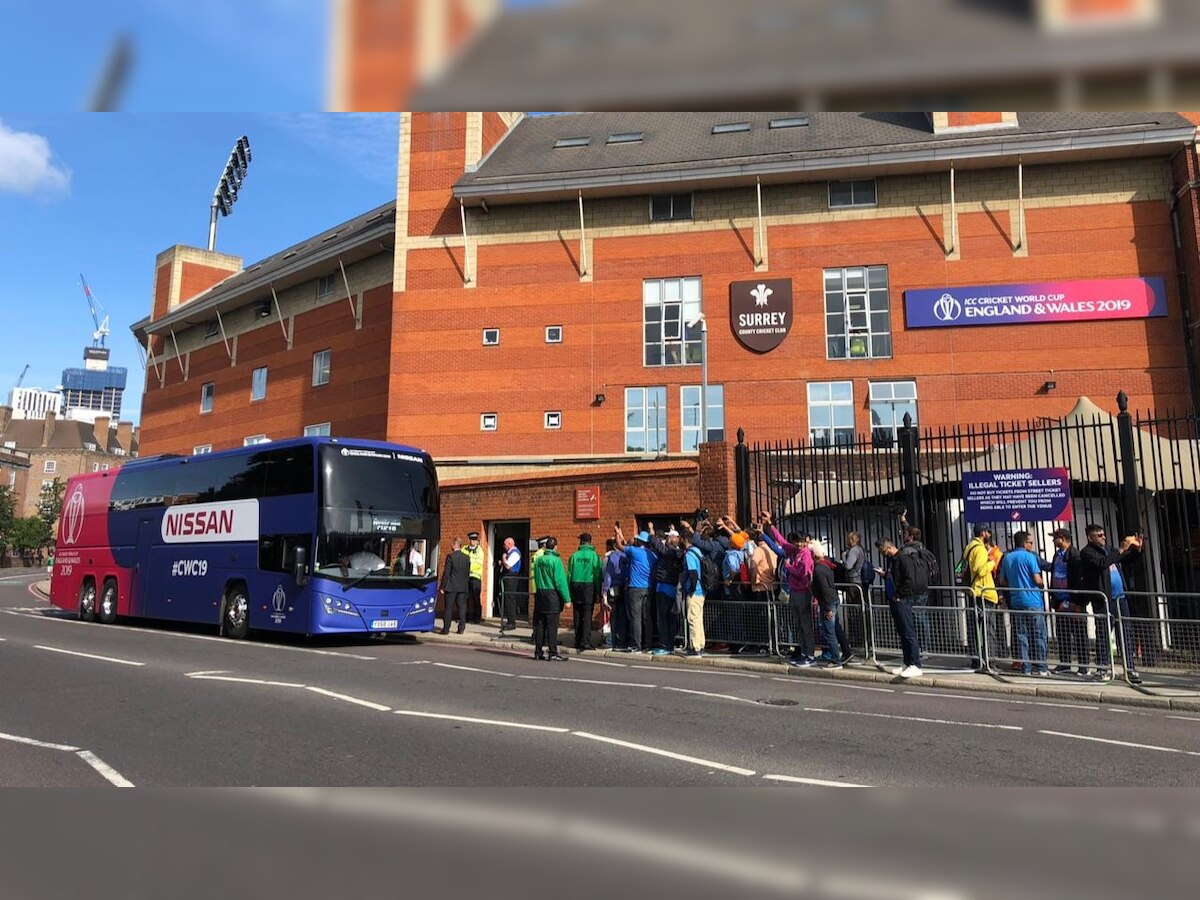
[1018,495]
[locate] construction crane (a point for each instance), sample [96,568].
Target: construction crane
[21,377]
[101,331]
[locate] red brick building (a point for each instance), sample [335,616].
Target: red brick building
[522,308]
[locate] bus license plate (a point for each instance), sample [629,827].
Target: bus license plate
[385,623]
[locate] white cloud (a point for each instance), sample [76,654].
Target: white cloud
[27,165]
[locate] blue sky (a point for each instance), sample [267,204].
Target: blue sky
[188,54]
[104,194]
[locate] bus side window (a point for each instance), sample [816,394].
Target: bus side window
[277,552]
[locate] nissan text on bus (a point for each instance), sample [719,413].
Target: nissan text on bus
[307,536]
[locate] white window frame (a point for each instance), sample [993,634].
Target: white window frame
[95,467]
[254,387]
[860,305]
[320,370]
[827,435]
[674,302]
[883,393]
[12,477]
[674,215]
[201,449]
[326,284]
[689,434]
[489,422]
[552,420]
[208,392]
[855,188]
[322,429]
[46,483]
[50,467]
[495,342]
[550,337]
[103,467]
[254,440]
[644,409]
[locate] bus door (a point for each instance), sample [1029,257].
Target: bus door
[140,601]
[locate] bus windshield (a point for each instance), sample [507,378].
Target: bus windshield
[379,519]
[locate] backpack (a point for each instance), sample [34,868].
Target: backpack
[920,569]
[931,564]
[710,575]
[867,574]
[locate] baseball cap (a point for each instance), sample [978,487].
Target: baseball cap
[643,536]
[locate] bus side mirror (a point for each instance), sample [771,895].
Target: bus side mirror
[300,566]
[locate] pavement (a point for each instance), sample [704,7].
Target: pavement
[151,704]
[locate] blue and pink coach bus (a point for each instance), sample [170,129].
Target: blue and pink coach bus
[308,536]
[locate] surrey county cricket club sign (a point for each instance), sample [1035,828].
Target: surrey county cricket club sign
[1097,300]
[760,313]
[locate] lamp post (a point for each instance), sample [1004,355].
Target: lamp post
[700,320]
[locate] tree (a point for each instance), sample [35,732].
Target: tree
[50,503]
[8,510]
[29,533]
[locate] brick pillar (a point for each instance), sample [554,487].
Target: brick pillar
[718,489]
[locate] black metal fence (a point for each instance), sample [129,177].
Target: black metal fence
[1127,473]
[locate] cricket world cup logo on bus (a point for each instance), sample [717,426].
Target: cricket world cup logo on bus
[72,516]
[279,603]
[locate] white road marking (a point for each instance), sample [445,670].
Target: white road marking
[378,707]
[850,687]
[472,669]
[851,712]
[3,639]
[680,690]
[816,782]
[632,684]
[45,745]
[1184,718]
[206,677]
[696,761]
[111,659]
[696,671]
[1099,740]
[600,662]
[1002,700]
[474,721]
[111,775]
[195,637]
[205,672]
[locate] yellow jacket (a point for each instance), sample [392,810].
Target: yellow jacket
[979,563]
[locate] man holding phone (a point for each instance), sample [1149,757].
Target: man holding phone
[1100,570]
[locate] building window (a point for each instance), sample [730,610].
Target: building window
[46,484]
[730,127]
[201,449]
[843,194]
[554,334]
[321,430]
[321,361]
[890,400]
[50,466]
[572,142]
[89,445]
[104,467]
[491,337]
[790,122]
[669,207]
[12,477]
[207,392]
[552,421]
[626,137]
[255,439]
[646,420]
[489,422]
[95,467]
[858,323]
[325,285]
[689,415]
[258,383]
[668,304]
[831,412]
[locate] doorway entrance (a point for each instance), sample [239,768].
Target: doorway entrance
[518,530]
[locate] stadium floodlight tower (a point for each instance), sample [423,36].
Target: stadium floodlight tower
[228,186]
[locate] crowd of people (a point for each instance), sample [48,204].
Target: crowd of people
[647,583]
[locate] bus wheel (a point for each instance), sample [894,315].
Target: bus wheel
[87,602]
[108,603]
[235,619]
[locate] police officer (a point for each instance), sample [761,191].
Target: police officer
[475,580]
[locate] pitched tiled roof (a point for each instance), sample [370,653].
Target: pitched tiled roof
[68,435]
[675,144]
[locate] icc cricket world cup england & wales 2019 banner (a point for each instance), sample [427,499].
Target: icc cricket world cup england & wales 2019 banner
[1024,304]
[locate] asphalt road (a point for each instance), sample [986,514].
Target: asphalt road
[88,704]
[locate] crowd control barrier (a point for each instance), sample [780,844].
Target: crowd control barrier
[1163,650]
[945,623]
[851,614]
[1061,644]
[745,625]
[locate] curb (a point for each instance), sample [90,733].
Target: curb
[43,588]
[867,673]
